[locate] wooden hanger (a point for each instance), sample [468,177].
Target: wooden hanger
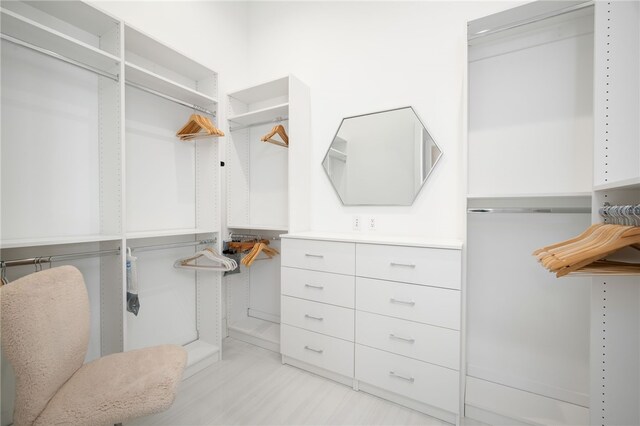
[258,248]
[198,127]
[280,131]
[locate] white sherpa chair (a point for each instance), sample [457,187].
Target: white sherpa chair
[45,334]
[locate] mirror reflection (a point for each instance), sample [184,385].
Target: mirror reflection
[382,158]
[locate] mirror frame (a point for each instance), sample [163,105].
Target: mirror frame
[381,205]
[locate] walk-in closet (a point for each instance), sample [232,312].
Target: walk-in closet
[320,213]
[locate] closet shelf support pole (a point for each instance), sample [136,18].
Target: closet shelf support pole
[55,55]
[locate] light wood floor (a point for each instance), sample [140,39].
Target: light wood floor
[250,386]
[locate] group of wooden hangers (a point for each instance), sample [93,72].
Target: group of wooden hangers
[587,252]
[199,127]
[280,131]
[254,248]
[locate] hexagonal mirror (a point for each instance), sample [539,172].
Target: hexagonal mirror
[382,158]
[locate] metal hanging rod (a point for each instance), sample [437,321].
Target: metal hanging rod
[487,31]
[622,215]
[174,245]
[275,120]
[531,210]
[57,258]
[251,236]
[170,98]
[55,55]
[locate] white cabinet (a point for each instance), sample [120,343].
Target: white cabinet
[383,316]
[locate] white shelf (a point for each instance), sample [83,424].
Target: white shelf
[258,116]
[51,241]
[147,47]
[150,80]
[541,195]
[29,31]
[262,92]
[168,233]
[198,351]
[260,227]
[623,184]
[256,331]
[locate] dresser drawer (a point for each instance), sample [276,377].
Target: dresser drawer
[319,317]
[423,342]
[323,287]
[417,265]
[327,256]
[427,383]
[429,305]
[317,349]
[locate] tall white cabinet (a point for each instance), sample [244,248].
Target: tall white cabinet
[267,194]
[91,165]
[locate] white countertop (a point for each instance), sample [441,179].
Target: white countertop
[371,238]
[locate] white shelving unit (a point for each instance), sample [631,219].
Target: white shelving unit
[89,178]
[161,85]
[263,198]
[529,183]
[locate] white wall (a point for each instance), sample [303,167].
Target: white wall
[360,57]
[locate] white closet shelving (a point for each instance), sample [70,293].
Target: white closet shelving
[172,199]
[530,156]
[263,198]
[90,162]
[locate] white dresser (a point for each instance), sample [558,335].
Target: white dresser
[380,314]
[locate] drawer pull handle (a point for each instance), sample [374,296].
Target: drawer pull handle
[406,265]
[402,302]
[318,351]
[404,339]
[319,256]
[399,376]
[313,318]
[318,287]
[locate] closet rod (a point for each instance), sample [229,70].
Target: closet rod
[57,258]
[531,210]
[174,245]
[258,237]
[538,18]
[170,98]
[275,120]
[59,57]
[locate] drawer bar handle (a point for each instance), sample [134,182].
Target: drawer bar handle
[318,287]
[399,376]
[314,318]
[402,302]
[319,256]
[319,351]
[405,339]
[406,265]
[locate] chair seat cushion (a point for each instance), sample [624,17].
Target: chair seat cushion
[118,387]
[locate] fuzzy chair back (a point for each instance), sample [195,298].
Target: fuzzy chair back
[45,334]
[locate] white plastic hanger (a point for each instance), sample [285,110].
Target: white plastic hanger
[223,262]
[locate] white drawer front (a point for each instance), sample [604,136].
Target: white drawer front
[323,351]
[319,317]
[327,256]
[417,265]
[424,342]
[323,287]
[429,305]
[427,383]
